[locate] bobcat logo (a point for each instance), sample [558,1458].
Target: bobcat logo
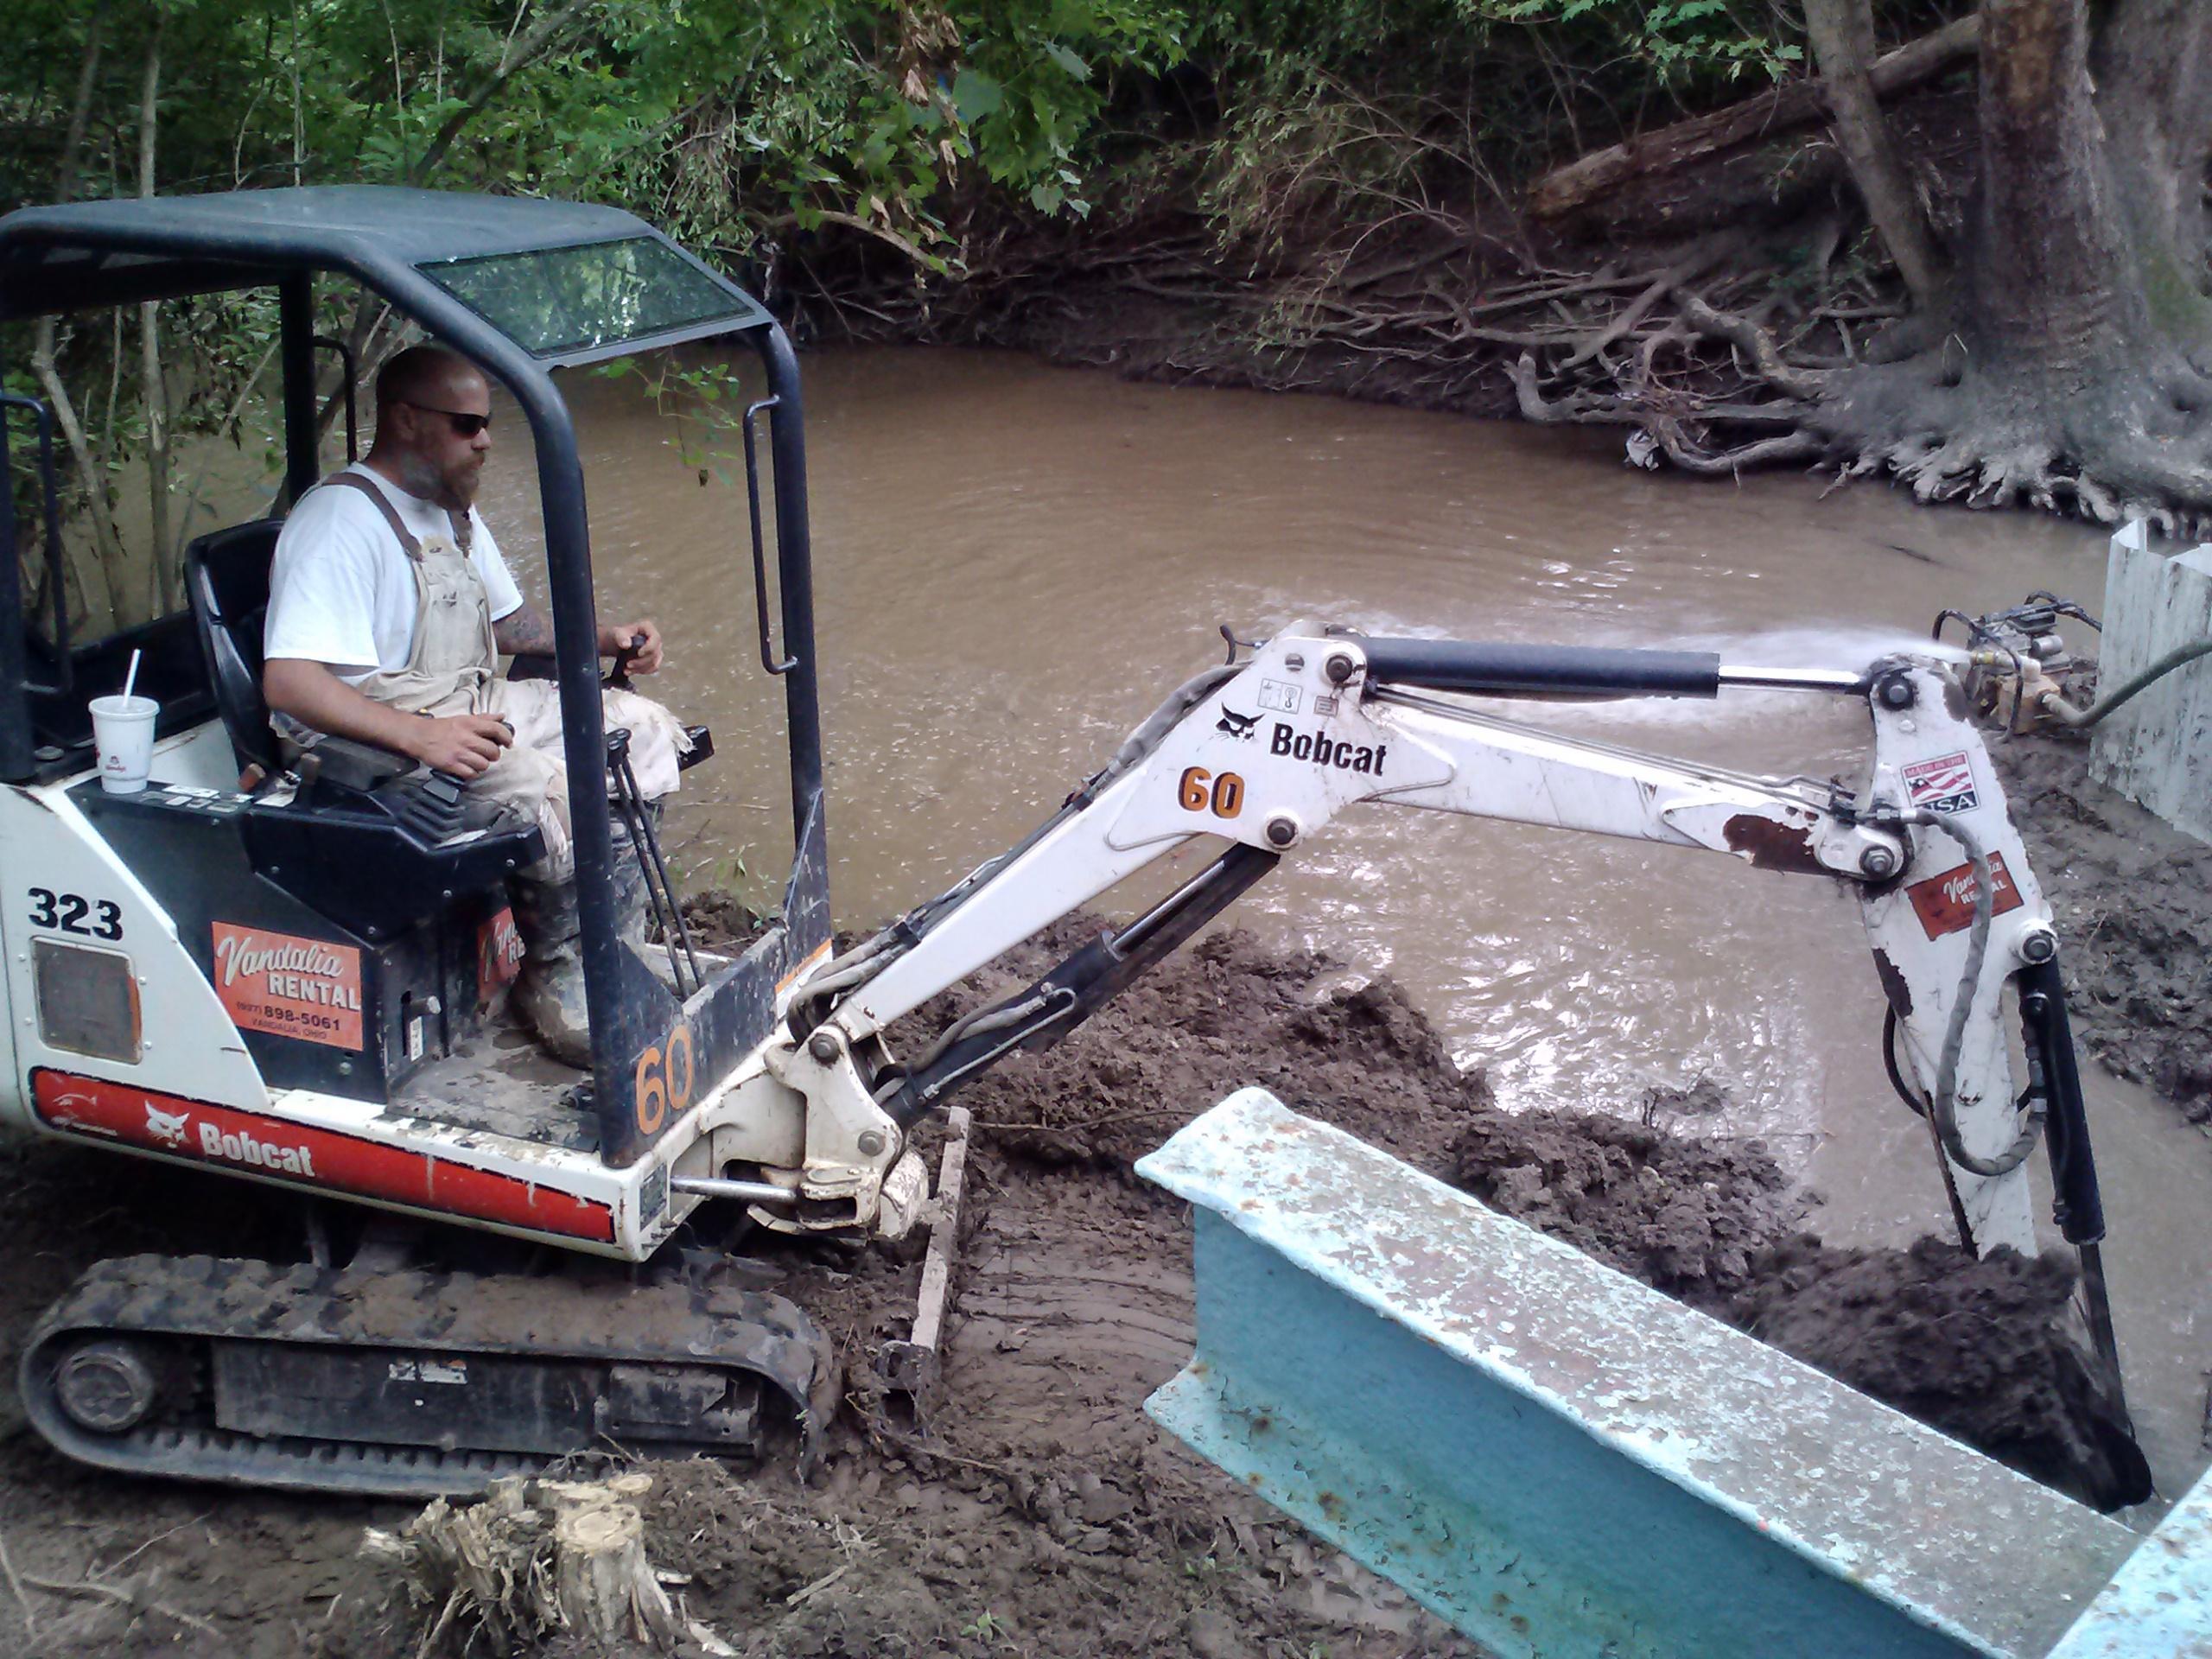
[167,1127]
[1236,725]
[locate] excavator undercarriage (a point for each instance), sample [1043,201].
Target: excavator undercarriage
[410,1383]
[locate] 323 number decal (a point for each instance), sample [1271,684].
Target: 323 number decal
[67,911]
[666,1076]
[1200,791]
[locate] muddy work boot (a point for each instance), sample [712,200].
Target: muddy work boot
[549,993]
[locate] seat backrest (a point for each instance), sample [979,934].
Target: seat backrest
[227,574]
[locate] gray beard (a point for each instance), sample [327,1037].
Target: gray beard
[419,479]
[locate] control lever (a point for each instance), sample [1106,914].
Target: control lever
[617,677]
[660,892]
[432,808]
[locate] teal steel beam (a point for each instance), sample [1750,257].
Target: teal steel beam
[1561,1461]
[2160,1605]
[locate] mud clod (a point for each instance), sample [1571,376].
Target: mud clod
[1979,1348]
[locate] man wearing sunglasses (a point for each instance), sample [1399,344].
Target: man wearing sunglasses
[389,608]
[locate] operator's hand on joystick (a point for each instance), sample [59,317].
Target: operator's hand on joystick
[462,746]
[635,647]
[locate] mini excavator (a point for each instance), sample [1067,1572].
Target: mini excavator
[291,972]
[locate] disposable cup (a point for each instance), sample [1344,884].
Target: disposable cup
[123,731]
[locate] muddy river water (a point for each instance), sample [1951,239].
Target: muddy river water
[1015,564]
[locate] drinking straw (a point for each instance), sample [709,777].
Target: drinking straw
[131,676]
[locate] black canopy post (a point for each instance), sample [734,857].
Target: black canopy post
[15,715]
[794,574]
[296,322]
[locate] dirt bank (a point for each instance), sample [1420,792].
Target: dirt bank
[1429,300]
[2133,897]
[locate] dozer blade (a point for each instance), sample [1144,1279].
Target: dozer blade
[913,1367]
[409,1383]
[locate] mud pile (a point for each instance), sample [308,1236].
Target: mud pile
[1713,1222]
[1226,1014]
[2133,897]
[1985,1349]
[718,920]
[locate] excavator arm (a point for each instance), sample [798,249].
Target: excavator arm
[1265,752]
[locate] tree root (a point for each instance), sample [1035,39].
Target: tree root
[1995,438]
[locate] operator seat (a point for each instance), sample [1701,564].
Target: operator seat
[227,579]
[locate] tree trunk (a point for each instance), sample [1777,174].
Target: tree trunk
[2052,298]
[1842,34]
[1770,114]
[2154,68]
[2068,363]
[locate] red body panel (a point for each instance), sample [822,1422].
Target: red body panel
[222,1136]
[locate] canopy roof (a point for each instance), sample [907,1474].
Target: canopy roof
[90,254]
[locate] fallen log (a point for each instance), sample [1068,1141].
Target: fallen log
[1794,104]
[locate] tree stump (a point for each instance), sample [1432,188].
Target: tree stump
[603,1584]
[538,1557]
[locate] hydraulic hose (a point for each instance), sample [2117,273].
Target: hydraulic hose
[1943,1108]
[2066,713]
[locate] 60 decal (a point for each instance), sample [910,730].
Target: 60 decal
[1201,792]
[666,1076]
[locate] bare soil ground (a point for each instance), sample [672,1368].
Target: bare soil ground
[2133,897]
[1044,1514]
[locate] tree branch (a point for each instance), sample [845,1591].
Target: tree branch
[517,55]
[1842,35]
[1794,104]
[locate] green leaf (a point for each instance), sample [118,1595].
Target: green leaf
[1067,60]
[977,95]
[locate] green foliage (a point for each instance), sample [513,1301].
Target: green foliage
[986,1626]
[736,124]
[1683,42]
[702,407]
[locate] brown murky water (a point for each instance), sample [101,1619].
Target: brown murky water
[1015,562]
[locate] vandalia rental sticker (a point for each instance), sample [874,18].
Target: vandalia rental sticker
[307,989]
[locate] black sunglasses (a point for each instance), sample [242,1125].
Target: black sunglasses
[464,426]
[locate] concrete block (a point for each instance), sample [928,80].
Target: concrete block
[2158,749]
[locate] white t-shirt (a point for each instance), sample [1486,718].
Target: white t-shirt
[341,591]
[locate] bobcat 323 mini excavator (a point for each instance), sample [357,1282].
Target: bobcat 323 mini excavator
[289,973]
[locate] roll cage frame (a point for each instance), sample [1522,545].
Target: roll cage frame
[97,255]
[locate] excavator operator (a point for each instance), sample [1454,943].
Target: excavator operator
[389,606]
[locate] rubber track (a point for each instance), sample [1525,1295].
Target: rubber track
[203,1298]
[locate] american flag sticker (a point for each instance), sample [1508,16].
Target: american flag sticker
[1943,784]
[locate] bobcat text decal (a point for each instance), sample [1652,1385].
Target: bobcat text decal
[1326,750]
[227,1138]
